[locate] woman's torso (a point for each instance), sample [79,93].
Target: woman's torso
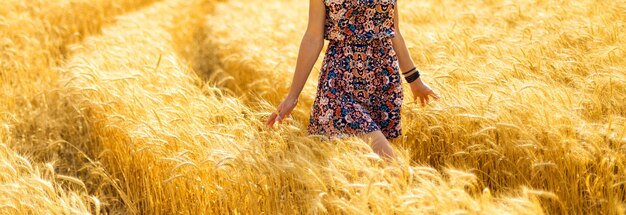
[359,20]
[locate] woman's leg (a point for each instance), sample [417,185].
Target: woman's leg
[380,145]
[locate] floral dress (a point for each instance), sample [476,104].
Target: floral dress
[360,87]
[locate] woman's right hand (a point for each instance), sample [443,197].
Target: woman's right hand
[282,111]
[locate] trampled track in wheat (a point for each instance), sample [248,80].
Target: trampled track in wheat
[41,135]
[161,111]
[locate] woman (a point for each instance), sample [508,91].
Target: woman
[360,87]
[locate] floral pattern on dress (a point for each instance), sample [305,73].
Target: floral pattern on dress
[359,19]
[359,91]
[360,87]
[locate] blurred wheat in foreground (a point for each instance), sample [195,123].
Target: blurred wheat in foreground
[157,107]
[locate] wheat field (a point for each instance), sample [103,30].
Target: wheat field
[158,107]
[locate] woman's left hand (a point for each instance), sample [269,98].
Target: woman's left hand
[422,92]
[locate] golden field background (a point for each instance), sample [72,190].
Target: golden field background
[157,107]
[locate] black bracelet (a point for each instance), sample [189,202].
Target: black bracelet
[407,72]
[413,77]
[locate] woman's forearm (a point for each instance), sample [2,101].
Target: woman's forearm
[404,58]
[310,48]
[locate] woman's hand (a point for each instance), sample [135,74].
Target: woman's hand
[422,91]
[282,111]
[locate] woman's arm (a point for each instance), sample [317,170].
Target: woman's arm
[310,47]
[404,58]
[419,89]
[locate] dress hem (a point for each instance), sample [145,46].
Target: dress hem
[348,135]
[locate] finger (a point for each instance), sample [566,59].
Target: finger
[427,99]
[433,94]
[436,96]
[281,116]
[289,112]
[278,111]
[271,120]
[423,100]
[284,117]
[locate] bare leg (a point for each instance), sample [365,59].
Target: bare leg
[380,145]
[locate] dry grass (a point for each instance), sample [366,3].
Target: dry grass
[39,125]
[27,188]
[178,145]
[534,90]
[161,111]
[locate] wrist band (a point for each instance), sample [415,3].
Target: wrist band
[411,70]
[411,78]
